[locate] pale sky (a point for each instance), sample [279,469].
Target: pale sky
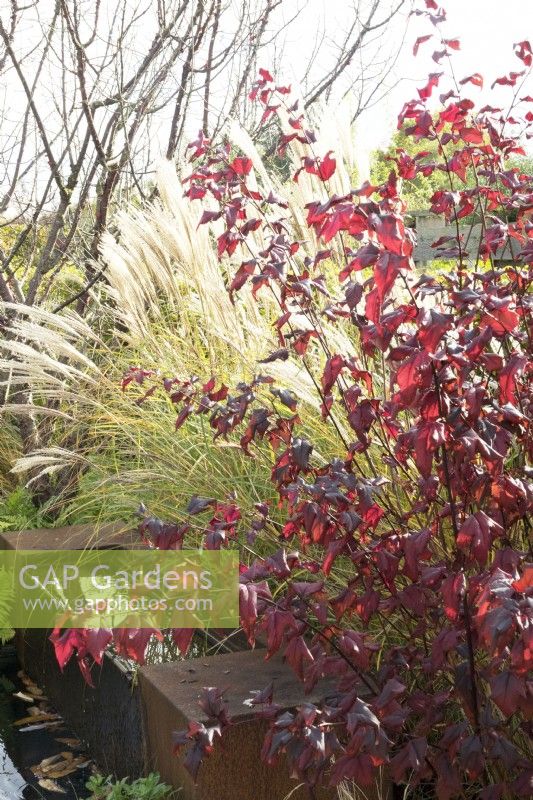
[487,30]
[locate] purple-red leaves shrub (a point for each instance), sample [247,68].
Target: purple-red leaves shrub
[401,571]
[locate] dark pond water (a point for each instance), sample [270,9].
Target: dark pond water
[20,750]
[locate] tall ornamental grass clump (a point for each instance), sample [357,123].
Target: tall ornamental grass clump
[165,306]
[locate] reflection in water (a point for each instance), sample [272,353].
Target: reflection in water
[20,750]
[11,781]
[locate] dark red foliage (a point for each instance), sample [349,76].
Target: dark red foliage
[423,514]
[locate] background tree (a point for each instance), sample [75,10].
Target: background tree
[99,91]
[419,189]
[96,92]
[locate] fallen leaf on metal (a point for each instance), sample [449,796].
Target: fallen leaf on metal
[59,766]
[26,697]
[41,725]
[39,717]
[51,786]
[71,742]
